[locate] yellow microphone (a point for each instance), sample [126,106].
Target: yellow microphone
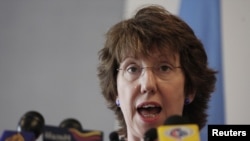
[178,128]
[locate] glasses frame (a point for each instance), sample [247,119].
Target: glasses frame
[144,68]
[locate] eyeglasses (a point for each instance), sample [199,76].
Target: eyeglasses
[163,71]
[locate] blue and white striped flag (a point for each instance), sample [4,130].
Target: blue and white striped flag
[204,18]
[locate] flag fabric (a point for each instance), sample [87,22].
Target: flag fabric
[203,16]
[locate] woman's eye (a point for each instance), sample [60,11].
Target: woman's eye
[165,67]
[133,69]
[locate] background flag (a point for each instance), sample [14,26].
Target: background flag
[204,17]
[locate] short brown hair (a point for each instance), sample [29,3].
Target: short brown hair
[154,26]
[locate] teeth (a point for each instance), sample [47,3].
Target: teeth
[148,106]
[149,110]
[149,115]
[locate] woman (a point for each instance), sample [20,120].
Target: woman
[153,66]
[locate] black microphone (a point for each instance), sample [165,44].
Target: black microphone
[113,136]
[31,121]
[150,135]
[176,119]
[71,123]
[29,128]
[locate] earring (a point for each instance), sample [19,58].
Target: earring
[187,101]
[117,102]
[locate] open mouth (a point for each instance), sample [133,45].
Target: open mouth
[149,110]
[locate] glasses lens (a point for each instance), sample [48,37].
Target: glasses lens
[162,71]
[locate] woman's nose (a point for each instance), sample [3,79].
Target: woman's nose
[148,81]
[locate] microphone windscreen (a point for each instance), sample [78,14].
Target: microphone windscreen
[176,119]
[71,123]
[151,135]
[31,121]
[113,136]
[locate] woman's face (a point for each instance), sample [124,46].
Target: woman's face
[149,96]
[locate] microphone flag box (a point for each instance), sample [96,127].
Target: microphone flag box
[17,136]
[187,132]
[52,133]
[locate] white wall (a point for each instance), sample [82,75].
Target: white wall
[236,48]
[48,60]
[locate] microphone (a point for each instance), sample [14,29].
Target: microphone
[176,119]
[31,121]
[70,129]
[71,123]
[175,128]
[113,136]
[178,128]
[151,135]
[29,128]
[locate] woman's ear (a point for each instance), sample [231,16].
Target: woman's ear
[189,98]
[117,102]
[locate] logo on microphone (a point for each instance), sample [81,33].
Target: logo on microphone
[179,132]
[187,132]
